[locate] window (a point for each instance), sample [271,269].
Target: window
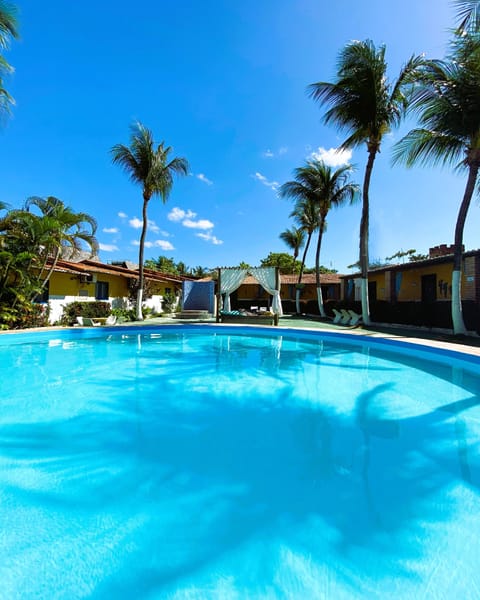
[101,290]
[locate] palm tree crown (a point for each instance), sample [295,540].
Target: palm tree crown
[153,169]
[294,238]
[366,105]
[447,103]
[319,185]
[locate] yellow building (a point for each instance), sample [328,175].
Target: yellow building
[426,283]
[90,280]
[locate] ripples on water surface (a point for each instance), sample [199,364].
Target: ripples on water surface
[217,465]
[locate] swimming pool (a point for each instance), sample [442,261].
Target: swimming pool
[206,462]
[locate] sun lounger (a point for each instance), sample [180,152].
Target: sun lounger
[355,318]
[90,322]
[345,317]
[338,316]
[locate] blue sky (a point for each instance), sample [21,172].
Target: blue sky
[223,83]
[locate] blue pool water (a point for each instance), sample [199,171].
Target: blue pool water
[206,463]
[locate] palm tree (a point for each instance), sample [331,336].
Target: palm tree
[305,213]
[63,229]
[319,183]
[8,30]
[153,170]
[366,105]
[294,238]
[468,15]
[447,103]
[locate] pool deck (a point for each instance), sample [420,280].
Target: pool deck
[417,335]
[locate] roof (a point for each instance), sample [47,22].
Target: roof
[325,278]
[415,264]
[91,266]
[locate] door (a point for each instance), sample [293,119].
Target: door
[429,288]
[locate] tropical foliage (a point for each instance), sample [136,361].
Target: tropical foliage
[365,104]
[152,168]
[317,188]
[447,104]
[8,30]
[30,246]
[294,238]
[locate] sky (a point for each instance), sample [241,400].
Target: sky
[224,84]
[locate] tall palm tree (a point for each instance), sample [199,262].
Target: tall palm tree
[8,30]
[153,169]
[366,105]
[319,183]
[447,103]
[294,238]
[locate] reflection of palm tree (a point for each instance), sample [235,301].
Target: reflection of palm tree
[364,103]
[211,475]
[153,169]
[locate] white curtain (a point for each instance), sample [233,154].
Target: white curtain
[266,278]
[230,280]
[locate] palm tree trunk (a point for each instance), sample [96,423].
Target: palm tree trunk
[457,315]
[317,269]
[139,313]
[302,266]
[364,236]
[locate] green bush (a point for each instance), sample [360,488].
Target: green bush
[91,310]
[124,314]
[169,302]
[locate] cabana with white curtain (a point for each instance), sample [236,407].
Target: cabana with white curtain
[231,278]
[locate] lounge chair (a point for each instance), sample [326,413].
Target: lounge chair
[345,317]
[90,322]
[111,320]
[355,318]
[338,316]
[80,321]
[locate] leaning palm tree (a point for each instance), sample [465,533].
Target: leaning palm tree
[447,103]
[153,170]
[294,238]
[326,187]
[366,105]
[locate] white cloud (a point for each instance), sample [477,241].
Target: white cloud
[110,230]
[273,185]
[163,244]
[282,150]
[178,214]
[209,237]
[122,215]
[136,223]
[108,247]
[200,224]
[268,154]
[152,226]
[332,157]
[202,177]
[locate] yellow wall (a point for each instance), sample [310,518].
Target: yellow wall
[411,286]
[68,284]
[383,292]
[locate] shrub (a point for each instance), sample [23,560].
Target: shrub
[92,310]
